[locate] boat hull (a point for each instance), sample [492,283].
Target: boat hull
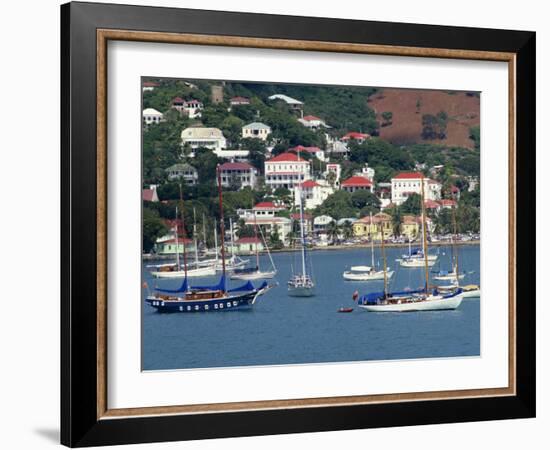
[191,273]
[416,263]
[436,303]
[231,302]
[301,291]
[350,276]
[450,277]
[475,293]
[254,276]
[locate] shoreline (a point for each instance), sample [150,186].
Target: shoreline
[327,248]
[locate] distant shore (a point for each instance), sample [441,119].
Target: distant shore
[149,257]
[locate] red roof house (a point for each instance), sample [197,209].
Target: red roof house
[287,156]
[355,135]
[356,183]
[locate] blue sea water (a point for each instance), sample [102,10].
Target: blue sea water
[291,330]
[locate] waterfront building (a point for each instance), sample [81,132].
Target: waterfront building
[269,225]
[286,170]
[183,171]
[320,223]
[313,193]
[196,137]
[405,184]
[151,115]
[372,227]
[248,245]
[256,130]
[266,209]
[357,183]
[239,174]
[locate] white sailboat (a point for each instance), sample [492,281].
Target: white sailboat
[366,273]
[416,258]
[426,299]
[301,284]
[254,273]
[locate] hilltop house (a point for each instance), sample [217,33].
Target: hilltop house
[294,104]
[149,86]
[313,193]
[447,203]
[150,195]
[183,171]
[313,151]
[405,184]
[313,122]
[232,155]
[256,130]
[238,101]
[286,170]
[239,174]
[355,136]
[190,108]
[151,115]
[196,137]
[357,183]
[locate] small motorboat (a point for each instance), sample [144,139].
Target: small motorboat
[345,310]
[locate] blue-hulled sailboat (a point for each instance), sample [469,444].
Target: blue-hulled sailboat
[188,298]
[426,299]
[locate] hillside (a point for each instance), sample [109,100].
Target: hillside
[409,105]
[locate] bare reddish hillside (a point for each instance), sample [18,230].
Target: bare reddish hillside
[408,106]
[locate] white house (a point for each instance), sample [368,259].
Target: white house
[357,183]
[269,225]
[150,195]
[313,122]
[151,115]
[286,170]
[367,172]
[191,108]
[232,155]
[183,171]
[320,223]
[313,193]
[196,137]
[266,209]
[238,173]
[407,183]
[292,102]
[256,130]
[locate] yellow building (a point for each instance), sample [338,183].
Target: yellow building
[368,227]
[411,227]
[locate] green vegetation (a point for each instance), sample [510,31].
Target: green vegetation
[434,127]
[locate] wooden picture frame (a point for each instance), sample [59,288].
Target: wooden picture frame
[85,418]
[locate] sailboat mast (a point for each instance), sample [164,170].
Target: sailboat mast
[216,240]
[455,250]
[222,226]
[371,242]
[383,245]
[302,235]
[177,243]
[184,234]
[232,243]
[424,236]
[256,243]
[195,237]
[203,231]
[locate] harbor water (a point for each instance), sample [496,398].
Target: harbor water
[282,330]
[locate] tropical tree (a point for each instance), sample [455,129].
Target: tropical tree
[333,231]
[413,205]
[347,229]
[153,228]
[396,220]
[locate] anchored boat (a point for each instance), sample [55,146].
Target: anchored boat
[426,299]
[207,298]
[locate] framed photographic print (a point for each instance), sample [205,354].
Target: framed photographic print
[277,224]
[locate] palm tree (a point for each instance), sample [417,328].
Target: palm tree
[347,229]
[333,231]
